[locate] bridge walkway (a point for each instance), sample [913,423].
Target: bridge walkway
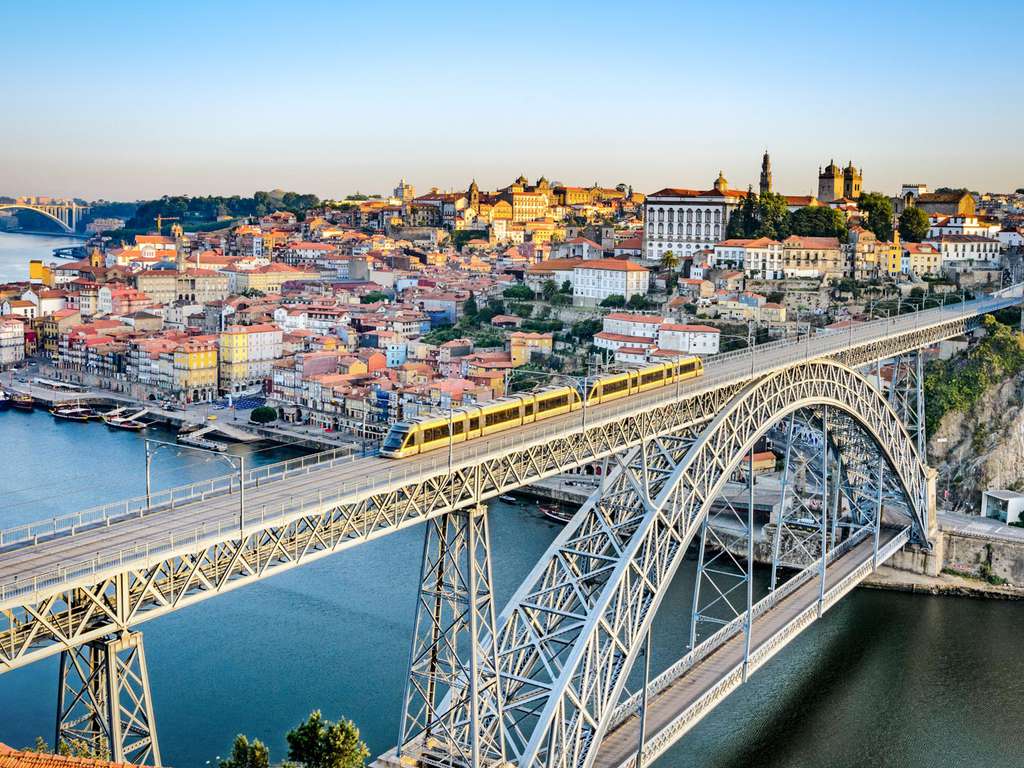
[681,704]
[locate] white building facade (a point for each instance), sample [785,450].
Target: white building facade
[686,220]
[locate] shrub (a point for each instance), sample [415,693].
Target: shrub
[263,415]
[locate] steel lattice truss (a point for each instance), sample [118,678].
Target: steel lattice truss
[453,648]
[571,634]
[124,595]
[118,594]
[104,701]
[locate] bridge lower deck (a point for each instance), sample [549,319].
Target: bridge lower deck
[620,745]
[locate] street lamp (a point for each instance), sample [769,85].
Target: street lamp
[160,444]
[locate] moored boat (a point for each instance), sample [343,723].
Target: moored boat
[23,402]
[5,400]
[118,422]
[72,412]
[508,499]
[555,513]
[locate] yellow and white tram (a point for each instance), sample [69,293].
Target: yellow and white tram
[408,438]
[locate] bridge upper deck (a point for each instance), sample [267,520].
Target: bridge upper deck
[48,556]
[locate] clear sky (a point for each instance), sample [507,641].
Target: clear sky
[135,99]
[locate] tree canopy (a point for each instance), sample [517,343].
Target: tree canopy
[320,743]
[246,755]
[519,291]
[877,209]
[819,221]
[614,300]
[669,261]
[913,224]
[764,215]
[186,208]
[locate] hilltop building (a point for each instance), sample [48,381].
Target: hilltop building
[835,183]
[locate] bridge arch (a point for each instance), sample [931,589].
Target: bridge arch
[571,634]
[40,211]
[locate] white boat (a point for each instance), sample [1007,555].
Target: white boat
[555,513]
[508,499]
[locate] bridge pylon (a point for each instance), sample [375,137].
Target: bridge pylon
[104,701]
[451,711]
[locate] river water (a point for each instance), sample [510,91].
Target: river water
[885,679]
[16,250]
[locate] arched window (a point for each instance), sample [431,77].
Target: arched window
[670,228]
[718,216]
[718,230]
[699,214]
[661,214]
[671,215]
[689,230]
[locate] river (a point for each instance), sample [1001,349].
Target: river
[16,251]
[885,679]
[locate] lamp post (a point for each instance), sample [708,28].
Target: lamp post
[160,444]
[572,381]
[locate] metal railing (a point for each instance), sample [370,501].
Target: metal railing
[711,643]
[168,498]
[719,371]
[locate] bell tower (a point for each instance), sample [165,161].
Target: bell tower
[766,174]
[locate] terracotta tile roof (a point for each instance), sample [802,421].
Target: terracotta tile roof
[12,758]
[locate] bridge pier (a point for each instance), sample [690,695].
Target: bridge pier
[451,710]
[104,700]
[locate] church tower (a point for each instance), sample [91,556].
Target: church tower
[852,181]
[830,183]
[766,174]
[474,196]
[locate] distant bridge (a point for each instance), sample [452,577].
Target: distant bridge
[64,212]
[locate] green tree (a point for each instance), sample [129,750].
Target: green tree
[614,300]
[772,216]
[669,261]
[548,289]
[877,209]
[521,310]
[743,222]
[637,301]
[263,415]
[519,291]
[561,300]
[819,221]
[373,297]
[74,748]
[469,308]
[566,287]
[246,755]
[319,743]
[913,224]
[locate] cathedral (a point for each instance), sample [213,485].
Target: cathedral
[835,183]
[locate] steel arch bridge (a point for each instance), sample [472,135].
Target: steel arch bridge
[64,214]
[544,684]
[570,636]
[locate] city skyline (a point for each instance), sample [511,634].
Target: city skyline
[179,101]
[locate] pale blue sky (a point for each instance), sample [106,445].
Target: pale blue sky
[136,99]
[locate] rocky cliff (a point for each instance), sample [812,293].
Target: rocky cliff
[981,447]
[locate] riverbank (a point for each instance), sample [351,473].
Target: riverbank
[944,585]
[237,429]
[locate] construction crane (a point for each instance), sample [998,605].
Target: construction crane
[160,222]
